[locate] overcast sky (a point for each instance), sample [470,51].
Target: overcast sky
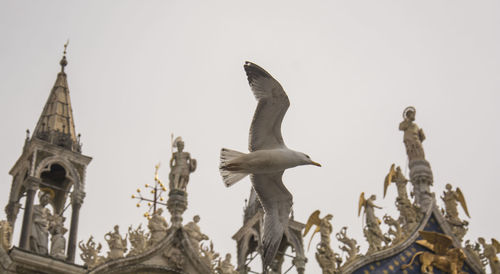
[141,70]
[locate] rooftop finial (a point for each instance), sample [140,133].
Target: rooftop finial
[63,62]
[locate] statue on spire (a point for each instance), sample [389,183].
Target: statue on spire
[413,135]
[181,165]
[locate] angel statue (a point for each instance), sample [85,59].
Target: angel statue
[323,226]
[490,252]
[181,165]
[396,176]
[327,259]
[451,199]
[446,258]
[117,245]
[408,214]
[371,230]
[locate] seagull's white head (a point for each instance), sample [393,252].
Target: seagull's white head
[306,160]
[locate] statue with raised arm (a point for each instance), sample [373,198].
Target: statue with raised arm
[194,232]
[117,244]
[181,165]
[39,238]
[157,227]
[371,230]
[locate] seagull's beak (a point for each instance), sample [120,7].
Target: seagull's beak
[316,164]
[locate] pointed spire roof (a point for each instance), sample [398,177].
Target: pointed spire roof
[56,124]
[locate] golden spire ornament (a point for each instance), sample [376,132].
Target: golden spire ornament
[158,190]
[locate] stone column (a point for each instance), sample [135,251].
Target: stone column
[77,197]
[176,205]
[31,185]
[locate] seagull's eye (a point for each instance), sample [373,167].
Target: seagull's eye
[308,156]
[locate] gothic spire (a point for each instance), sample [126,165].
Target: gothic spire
[56,124]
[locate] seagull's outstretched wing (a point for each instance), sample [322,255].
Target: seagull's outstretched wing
[265,131]
[277,203]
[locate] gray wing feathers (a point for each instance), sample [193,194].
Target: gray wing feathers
[277,203]
[265,131]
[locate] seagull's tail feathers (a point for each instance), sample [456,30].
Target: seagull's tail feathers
[230,171]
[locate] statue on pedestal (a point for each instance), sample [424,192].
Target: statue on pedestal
[117,245]
[157,227]
[407,213]
[39,238]
[181,165]
[420,170]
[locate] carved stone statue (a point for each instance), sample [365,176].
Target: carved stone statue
[174,256]
[58,242]
[117,245]
[194,233]
[157,227]
[413,135]
[350,245]
[451,199]
[323,226]
[490,252]
[90,253]
[5,234]
[407,213]
[474,249]
[138,240]
[181,165]
[420,170]
[371,230]
[39,238]
[225,266]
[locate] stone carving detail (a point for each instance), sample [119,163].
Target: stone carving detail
[5,234]
[58,242]
[407,212]
[420,170]
[328,260]
[117,244]
[181,165]
[490,252]
[138,240]
[157,227]
[451,198]
[39,238]
[194,233]
[209,256]
[395,231]
[225,266]
[475,251]
[90,253]
[446,258]
[372,231]
[174,256]
[350,245]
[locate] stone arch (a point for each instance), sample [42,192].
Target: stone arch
[70,169]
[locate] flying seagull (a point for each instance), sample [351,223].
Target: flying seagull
[267,160]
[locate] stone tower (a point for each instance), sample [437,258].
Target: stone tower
[248,240]
[52,165]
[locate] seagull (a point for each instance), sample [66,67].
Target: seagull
[267,160]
